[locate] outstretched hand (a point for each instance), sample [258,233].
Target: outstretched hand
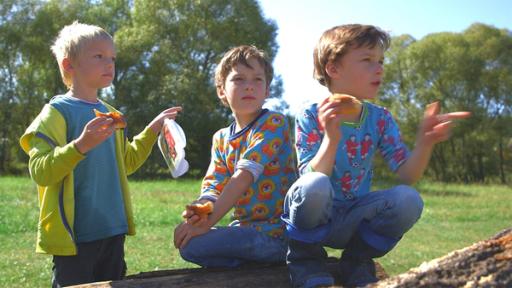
[170,113]
[437,127]
[95,132]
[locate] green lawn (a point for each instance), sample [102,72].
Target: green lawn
[455,216]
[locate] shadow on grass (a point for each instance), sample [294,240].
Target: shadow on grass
[444,193]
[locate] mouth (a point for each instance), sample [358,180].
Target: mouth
[108,75]
[248,98]
[376,83]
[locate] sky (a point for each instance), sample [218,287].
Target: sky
[301,22]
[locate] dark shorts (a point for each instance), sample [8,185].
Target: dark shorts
[99,260]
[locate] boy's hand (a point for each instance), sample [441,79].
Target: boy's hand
[185,231]
[156,124]
[190,214]
[330,119]
[95,132]
[437,127]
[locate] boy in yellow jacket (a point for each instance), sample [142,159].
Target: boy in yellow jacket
[80,163]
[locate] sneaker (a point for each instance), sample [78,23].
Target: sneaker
[318,281]
[357,273]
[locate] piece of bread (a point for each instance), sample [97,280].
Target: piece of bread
[119,121]
[349,105]
[202,210]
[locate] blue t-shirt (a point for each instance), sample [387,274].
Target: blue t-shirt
[99,206]
[352,171]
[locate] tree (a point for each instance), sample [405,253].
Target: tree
[464,71]
[168,54]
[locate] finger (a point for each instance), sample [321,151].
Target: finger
[193,220]
[173,110]
[432,109]
[443,127]
[453,116]
[98,120]
[178,235]
[187,213]
[325,100]
[441,132]
[102,123]
[185,240]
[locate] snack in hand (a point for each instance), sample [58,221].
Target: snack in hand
[349,104]
[119,121]
[201,210]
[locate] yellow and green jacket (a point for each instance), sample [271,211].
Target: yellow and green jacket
[51,165]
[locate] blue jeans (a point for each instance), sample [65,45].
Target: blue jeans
[314,220]
[233,246]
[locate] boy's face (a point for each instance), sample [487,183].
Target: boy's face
[359,72]
[94,67]
[245,89]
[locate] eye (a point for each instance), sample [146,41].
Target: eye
[113,59]
[98,56]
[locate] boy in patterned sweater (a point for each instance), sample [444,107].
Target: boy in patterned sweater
[252,167]
[331,204]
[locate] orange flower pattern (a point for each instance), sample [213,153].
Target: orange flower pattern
[264,142]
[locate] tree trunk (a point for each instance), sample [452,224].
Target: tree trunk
[484,264]
[251,276]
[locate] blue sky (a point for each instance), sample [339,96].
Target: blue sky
[301,22]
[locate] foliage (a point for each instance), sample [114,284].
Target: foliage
[167,52]
[469,71]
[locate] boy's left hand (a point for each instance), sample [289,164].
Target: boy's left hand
[156,124]
[185,231]
[437,127]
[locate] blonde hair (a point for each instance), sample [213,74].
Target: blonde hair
[240,55]
[70,42]
[336,42]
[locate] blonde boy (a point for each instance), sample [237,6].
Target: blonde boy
[80,163]
[331,204]
[251,168]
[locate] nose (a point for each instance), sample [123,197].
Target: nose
[380,68]
[249,88]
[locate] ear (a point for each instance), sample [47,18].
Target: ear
[221,93]
[67,65]
[332,70]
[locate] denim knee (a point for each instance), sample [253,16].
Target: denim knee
[408,205]
[308,203]
[192,253]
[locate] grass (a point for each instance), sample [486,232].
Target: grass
[455,216]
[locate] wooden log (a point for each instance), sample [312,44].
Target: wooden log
[250,276]
[484,264]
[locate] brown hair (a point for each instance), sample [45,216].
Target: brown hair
[336,42]
[240,55]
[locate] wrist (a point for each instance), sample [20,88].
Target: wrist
[80,146]
[330,143]
[156,126]
[424,145]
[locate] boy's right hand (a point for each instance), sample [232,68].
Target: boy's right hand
[95,132]
[329,118]
[190,213]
